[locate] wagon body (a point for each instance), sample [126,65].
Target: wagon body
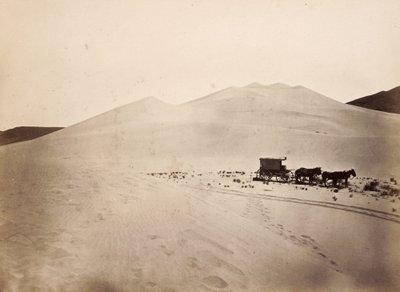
[271,163]
[273,167]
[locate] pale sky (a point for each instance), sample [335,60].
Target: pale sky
[64,61]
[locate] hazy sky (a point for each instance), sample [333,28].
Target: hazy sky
[65,61]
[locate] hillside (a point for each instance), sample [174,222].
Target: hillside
[386,101]
[20,134]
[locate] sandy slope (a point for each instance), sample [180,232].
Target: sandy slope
[74,226]
[233,128]
[76,214]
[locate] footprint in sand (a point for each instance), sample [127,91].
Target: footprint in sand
[166,251]
[17,275]
[151,284]
[20,239]
[193,263]
[137,272]
[100,216]
[214,282]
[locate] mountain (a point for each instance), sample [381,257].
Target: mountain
[386,101]
[20,134]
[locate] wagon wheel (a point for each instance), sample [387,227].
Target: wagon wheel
[268,175]
[262,175]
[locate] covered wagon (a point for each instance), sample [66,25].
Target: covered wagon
[273,168]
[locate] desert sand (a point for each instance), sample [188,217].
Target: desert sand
[85,208]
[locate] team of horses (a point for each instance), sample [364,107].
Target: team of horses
[312,174]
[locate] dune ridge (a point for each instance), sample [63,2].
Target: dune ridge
[100,206]
[232,128]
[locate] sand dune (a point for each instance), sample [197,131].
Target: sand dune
[78,212]
[232,128]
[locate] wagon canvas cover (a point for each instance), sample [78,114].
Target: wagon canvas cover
[271,163]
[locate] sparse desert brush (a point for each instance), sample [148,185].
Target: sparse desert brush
[371,186]
[385,186]
[384,189]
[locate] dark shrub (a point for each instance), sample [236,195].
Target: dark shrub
[371,186]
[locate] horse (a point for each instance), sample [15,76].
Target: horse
[337,175]
[311,173]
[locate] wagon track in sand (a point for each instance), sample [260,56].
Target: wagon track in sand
[347,208]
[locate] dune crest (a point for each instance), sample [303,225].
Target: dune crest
[233,128]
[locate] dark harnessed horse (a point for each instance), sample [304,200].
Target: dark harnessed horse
[311,173]
[337,175]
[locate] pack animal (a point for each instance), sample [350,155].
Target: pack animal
[310,173]
[337,176]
